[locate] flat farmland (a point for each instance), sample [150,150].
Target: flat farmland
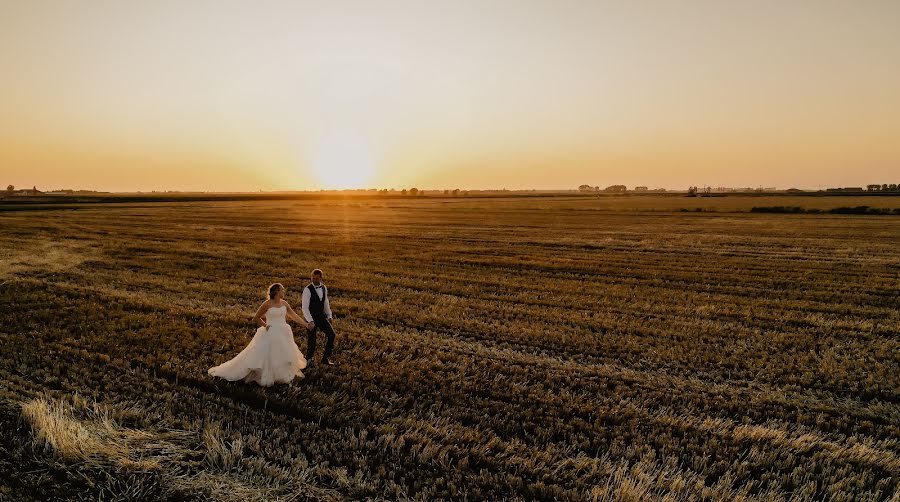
[540,348]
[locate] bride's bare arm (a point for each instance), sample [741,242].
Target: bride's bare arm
[293,315]
[259,316]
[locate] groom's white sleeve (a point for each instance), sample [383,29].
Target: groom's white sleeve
[305,303]
[327,305]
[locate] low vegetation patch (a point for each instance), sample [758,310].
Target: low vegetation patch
[837,210]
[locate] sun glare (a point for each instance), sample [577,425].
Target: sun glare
[343,161]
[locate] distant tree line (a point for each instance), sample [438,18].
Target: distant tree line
[609,189]
[693,190]
[885,187]
[697,190]
[893,187]
[414,192]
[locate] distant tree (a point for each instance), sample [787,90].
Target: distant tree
[403,192]
[692,191]
[10,188]
[884,187]
[585,188]
[616,189]
[893,187]
[873,188]
[446,191]
[456,192]
[414,191]
[465,193]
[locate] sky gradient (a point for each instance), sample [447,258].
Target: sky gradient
[239,96]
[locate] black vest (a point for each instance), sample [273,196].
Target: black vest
[317,306]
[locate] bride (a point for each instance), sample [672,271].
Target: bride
[272,356]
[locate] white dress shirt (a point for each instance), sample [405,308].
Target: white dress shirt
[321,292]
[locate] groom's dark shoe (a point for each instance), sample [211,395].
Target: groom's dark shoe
[328,361]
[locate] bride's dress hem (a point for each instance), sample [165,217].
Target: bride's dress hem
[271,356]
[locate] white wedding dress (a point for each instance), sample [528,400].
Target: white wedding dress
[271,357]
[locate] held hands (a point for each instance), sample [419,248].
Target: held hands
[310,325]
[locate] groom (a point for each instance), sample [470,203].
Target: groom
[317,312]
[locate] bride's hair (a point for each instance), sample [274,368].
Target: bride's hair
[274,289]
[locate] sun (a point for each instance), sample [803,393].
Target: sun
[343,161]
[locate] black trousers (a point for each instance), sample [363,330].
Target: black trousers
[324,325]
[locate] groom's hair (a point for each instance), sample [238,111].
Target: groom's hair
[317,272]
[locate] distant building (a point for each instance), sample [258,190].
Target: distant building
[26,192]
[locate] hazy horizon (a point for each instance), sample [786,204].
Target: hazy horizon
[651,189]
[276,95]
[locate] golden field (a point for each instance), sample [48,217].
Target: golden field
[570,348]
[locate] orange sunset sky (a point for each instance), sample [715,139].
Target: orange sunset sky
[233,96]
